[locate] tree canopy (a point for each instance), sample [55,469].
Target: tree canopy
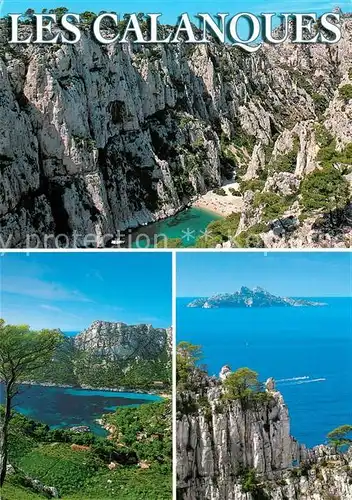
[22,351]
[244,385]
[325,190]
[341,436]
[188,355]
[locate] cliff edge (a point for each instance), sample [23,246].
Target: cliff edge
[231,450]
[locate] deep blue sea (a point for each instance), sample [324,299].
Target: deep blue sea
[65,407]
[308,350]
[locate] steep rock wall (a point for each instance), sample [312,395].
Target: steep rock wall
[97,139]
[218,440]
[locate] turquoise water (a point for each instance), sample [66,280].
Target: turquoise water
[308,350]
[187,225]
[65,407]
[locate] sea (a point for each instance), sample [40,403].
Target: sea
[308,350]
[187,225]
[61,407]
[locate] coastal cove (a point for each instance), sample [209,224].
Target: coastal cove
[64,407]
[187,225]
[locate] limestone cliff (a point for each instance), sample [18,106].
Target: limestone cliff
[226,451]
[95,139]
[109,354]
[119,341]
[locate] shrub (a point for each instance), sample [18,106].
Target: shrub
[60,466]
[325,190]
[252,185]
[220,191]
[286,162]
[128,483]
[345,92]
[188,355]
[251,238]
[219,231]
[341,436]
[272,204]
[243,385]
[146,430]
[320,102]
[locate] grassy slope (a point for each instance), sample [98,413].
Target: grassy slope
[13,492]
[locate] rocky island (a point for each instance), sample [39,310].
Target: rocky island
[246,297]
[234,443]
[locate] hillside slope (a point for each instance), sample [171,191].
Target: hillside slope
[115,355]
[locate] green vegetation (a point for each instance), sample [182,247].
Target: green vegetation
[169,243]
[219,231]
[225,229]
[141,374]
[320,102]
[341,437]
[234,149]
[22,351]
[285,162]
[273,205]
[140,448]
[220,191]
[327,155]
[243,385]
[11,491]
[250,484]
[252,185]
[187,357]
[60,465]
[345,92]
[326,190]
[147,432]
[75,367]
[251,237]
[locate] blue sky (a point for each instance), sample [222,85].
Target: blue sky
[70,290]
[171,9]
[300,274]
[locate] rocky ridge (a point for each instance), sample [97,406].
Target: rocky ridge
[98,139]
[119,341]
[219,442]
[246,297]
[112,355]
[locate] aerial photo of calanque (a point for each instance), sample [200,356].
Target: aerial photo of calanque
[176,145]
[85,403]
[264,383]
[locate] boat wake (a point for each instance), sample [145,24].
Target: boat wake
[299,380]
[310,381]
[292,379]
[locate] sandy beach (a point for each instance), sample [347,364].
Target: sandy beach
[221,205]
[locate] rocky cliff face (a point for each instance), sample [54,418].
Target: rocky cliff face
[97,139]
[220,445]
[120,342]
[115,355]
